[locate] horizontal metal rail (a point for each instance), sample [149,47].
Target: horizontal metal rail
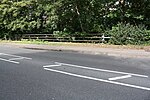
[92,38]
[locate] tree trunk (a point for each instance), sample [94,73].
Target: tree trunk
[78,13]
[122,5]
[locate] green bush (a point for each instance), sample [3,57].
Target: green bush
[124,34]
[61,34]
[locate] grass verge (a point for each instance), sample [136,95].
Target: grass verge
[39,42]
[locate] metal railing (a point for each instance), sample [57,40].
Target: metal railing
[91,38]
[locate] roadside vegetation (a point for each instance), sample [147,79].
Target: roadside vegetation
[125,21]
[64,44]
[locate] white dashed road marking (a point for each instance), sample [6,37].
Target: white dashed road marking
[120,77]
[102,70]
[15,57]
[9,61]
[52,66]
[110,80]
[98,79]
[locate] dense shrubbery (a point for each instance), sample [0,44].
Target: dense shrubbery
[123,34]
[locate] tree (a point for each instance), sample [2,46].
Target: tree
[70,16]
[18,16]
[129,11]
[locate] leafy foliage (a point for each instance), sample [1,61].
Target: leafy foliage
[124,34]
[75,17]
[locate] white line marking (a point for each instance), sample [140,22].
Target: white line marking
[9,61]
[15,56]
[103,70]
[51,66]
[101,80]
[120,77]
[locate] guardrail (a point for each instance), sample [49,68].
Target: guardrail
[91,38]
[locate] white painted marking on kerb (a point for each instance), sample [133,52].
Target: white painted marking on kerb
[9,61]
[101,80]
[102,70]
[51,66]
[120,77]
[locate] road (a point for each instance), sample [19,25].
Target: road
[27,74]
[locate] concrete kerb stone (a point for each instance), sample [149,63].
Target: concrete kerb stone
[125,53]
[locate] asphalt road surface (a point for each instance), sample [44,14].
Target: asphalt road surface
[60,75]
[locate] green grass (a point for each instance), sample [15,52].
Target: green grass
[39,42]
